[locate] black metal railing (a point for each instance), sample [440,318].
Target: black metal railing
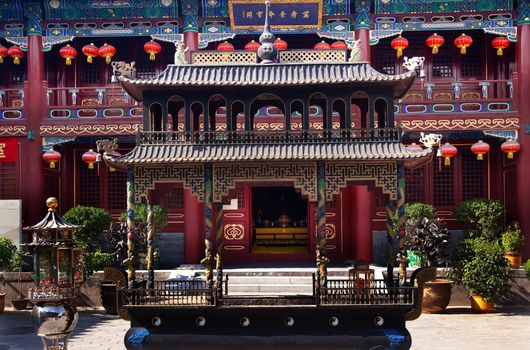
[374,292]
[171,293]
[268,137]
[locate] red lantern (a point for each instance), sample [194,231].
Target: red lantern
[510,147]
[480,148]
[339,44]
[463,42]
[413,147]
[107,51]
[280,45]
[152,48]
[226,46]
[3,53]
[322,46]
[51,157]
[399,44]
[114,154]
[15,52]
[448,151]
[252,46]
[434,42]
[90,157]
[69,53]
[500,43]
[90,51]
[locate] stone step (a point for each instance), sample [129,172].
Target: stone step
[272,289]
[270,280]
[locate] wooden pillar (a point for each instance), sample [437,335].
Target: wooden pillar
[150,245]
[191,26]
[32,182]
[523,156]
[208,260]
[362,27]
[321,254]
[131,249]
[362,205]
[192,230]
[219,243]
[390,242]
[400,204]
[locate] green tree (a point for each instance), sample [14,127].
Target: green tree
[93,222]
[481,217]
[140,216]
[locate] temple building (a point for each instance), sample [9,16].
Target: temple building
[267,144]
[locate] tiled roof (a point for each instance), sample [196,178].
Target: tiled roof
[52,221]
[157,154]
[191,75]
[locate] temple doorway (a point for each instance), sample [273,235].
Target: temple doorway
[279,221]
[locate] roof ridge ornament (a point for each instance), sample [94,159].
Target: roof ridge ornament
[415,64]
[267,52]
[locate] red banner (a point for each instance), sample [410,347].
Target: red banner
[8,150]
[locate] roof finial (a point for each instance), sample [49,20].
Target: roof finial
[267,52]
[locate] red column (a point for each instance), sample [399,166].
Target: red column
[191,40]
[32,164]
[523,156]
[363,34]
[361,206]
[193,228]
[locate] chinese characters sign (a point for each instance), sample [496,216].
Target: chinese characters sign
[8,150]
[283,14]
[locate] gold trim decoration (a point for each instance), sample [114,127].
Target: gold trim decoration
[331,231]
[90,129]
[227,175]
[234,232]
[384,176]
[459,124]
[259,27]
[233,215]
[234,247]
[146,178]
[13,130]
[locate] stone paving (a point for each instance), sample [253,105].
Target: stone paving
[457,329]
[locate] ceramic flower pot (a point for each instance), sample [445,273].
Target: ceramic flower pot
[515,259]
[481,305]
[436,295]
[20,304]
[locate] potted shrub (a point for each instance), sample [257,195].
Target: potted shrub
[429,237]
[480,217]
[7,250]
[527,268]
[20,303]
[479,266]
[512,242]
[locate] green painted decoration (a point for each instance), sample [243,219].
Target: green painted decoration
[440,6]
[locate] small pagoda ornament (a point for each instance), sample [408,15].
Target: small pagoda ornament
[58,274]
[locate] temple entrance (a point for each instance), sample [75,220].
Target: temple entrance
[279,221]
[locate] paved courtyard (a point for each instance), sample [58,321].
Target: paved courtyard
[458,328]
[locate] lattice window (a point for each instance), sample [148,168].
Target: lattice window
[8,181]
[88,185]
[241,199]
[308,56]
[470,63]
[385,61]
[415,185]
[17,75]
[444,184]
[116,190]
[216,57]
[145,71]
[442,66]
[90,75]
[472,175]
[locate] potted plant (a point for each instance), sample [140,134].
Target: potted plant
[20,303]
[429,237]
[480,217]
[512,242]
[479,266]
[527,268]
[7,250]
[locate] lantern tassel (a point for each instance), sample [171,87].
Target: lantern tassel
[68,61]
[447,161]
[16,60]
[510,155]
[52,165]
[90,165]
[499,52]
[89,59]
[463,50]
[152,56]
[399,53]
[107,59]
[480,156]
[1,59]
[112,169]
[435,50]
